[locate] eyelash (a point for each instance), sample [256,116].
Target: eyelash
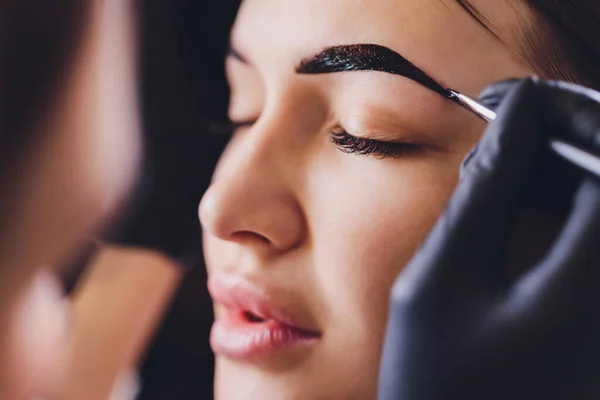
[343,140]
[351,144]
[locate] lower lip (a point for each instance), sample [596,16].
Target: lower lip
[234,336]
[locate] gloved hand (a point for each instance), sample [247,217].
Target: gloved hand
[163,212]
[485,310]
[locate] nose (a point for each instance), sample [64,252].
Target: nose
[251,201]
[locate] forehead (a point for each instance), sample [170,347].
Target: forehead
[437,35]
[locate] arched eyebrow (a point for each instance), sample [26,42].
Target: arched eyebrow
[368,57]
[373,57]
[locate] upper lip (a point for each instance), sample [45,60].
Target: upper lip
[237,293]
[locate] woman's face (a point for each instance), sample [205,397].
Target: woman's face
[303,241]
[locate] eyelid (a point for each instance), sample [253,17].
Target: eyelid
[373,124]
[368,127]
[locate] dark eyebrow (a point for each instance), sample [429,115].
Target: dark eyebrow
[368,57]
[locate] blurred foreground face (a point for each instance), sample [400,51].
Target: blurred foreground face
[88,149]
[74,176]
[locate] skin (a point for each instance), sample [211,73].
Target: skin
[331,231]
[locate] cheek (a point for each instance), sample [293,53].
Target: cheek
[369,218]
[217,252]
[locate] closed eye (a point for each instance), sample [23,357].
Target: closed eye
[345,141]
[351,144]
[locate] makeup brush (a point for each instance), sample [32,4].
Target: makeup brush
[574,154]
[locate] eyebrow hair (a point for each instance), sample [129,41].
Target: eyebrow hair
[368,57]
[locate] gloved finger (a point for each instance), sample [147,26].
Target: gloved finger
[568,278]
[491,97]
[464,249]
[576,115]
[546,304]
[552,309]
[578,119]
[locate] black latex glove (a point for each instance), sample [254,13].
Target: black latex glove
[464,322]
[163,212]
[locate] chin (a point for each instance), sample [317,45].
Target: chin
[253,386]
[236,381]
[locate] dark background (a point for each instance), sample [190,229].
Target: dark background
[184,45]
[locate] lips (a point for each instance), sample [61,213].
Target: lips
[253,326]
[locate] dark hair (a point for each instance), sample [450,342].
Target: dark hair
[562,41]
[37,40]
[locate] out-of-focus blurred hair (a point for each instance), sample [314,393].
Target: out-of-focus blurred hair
[38,40]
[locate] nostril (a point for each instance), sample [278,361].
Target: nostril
[247,237]
[253,317]
[226,221]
